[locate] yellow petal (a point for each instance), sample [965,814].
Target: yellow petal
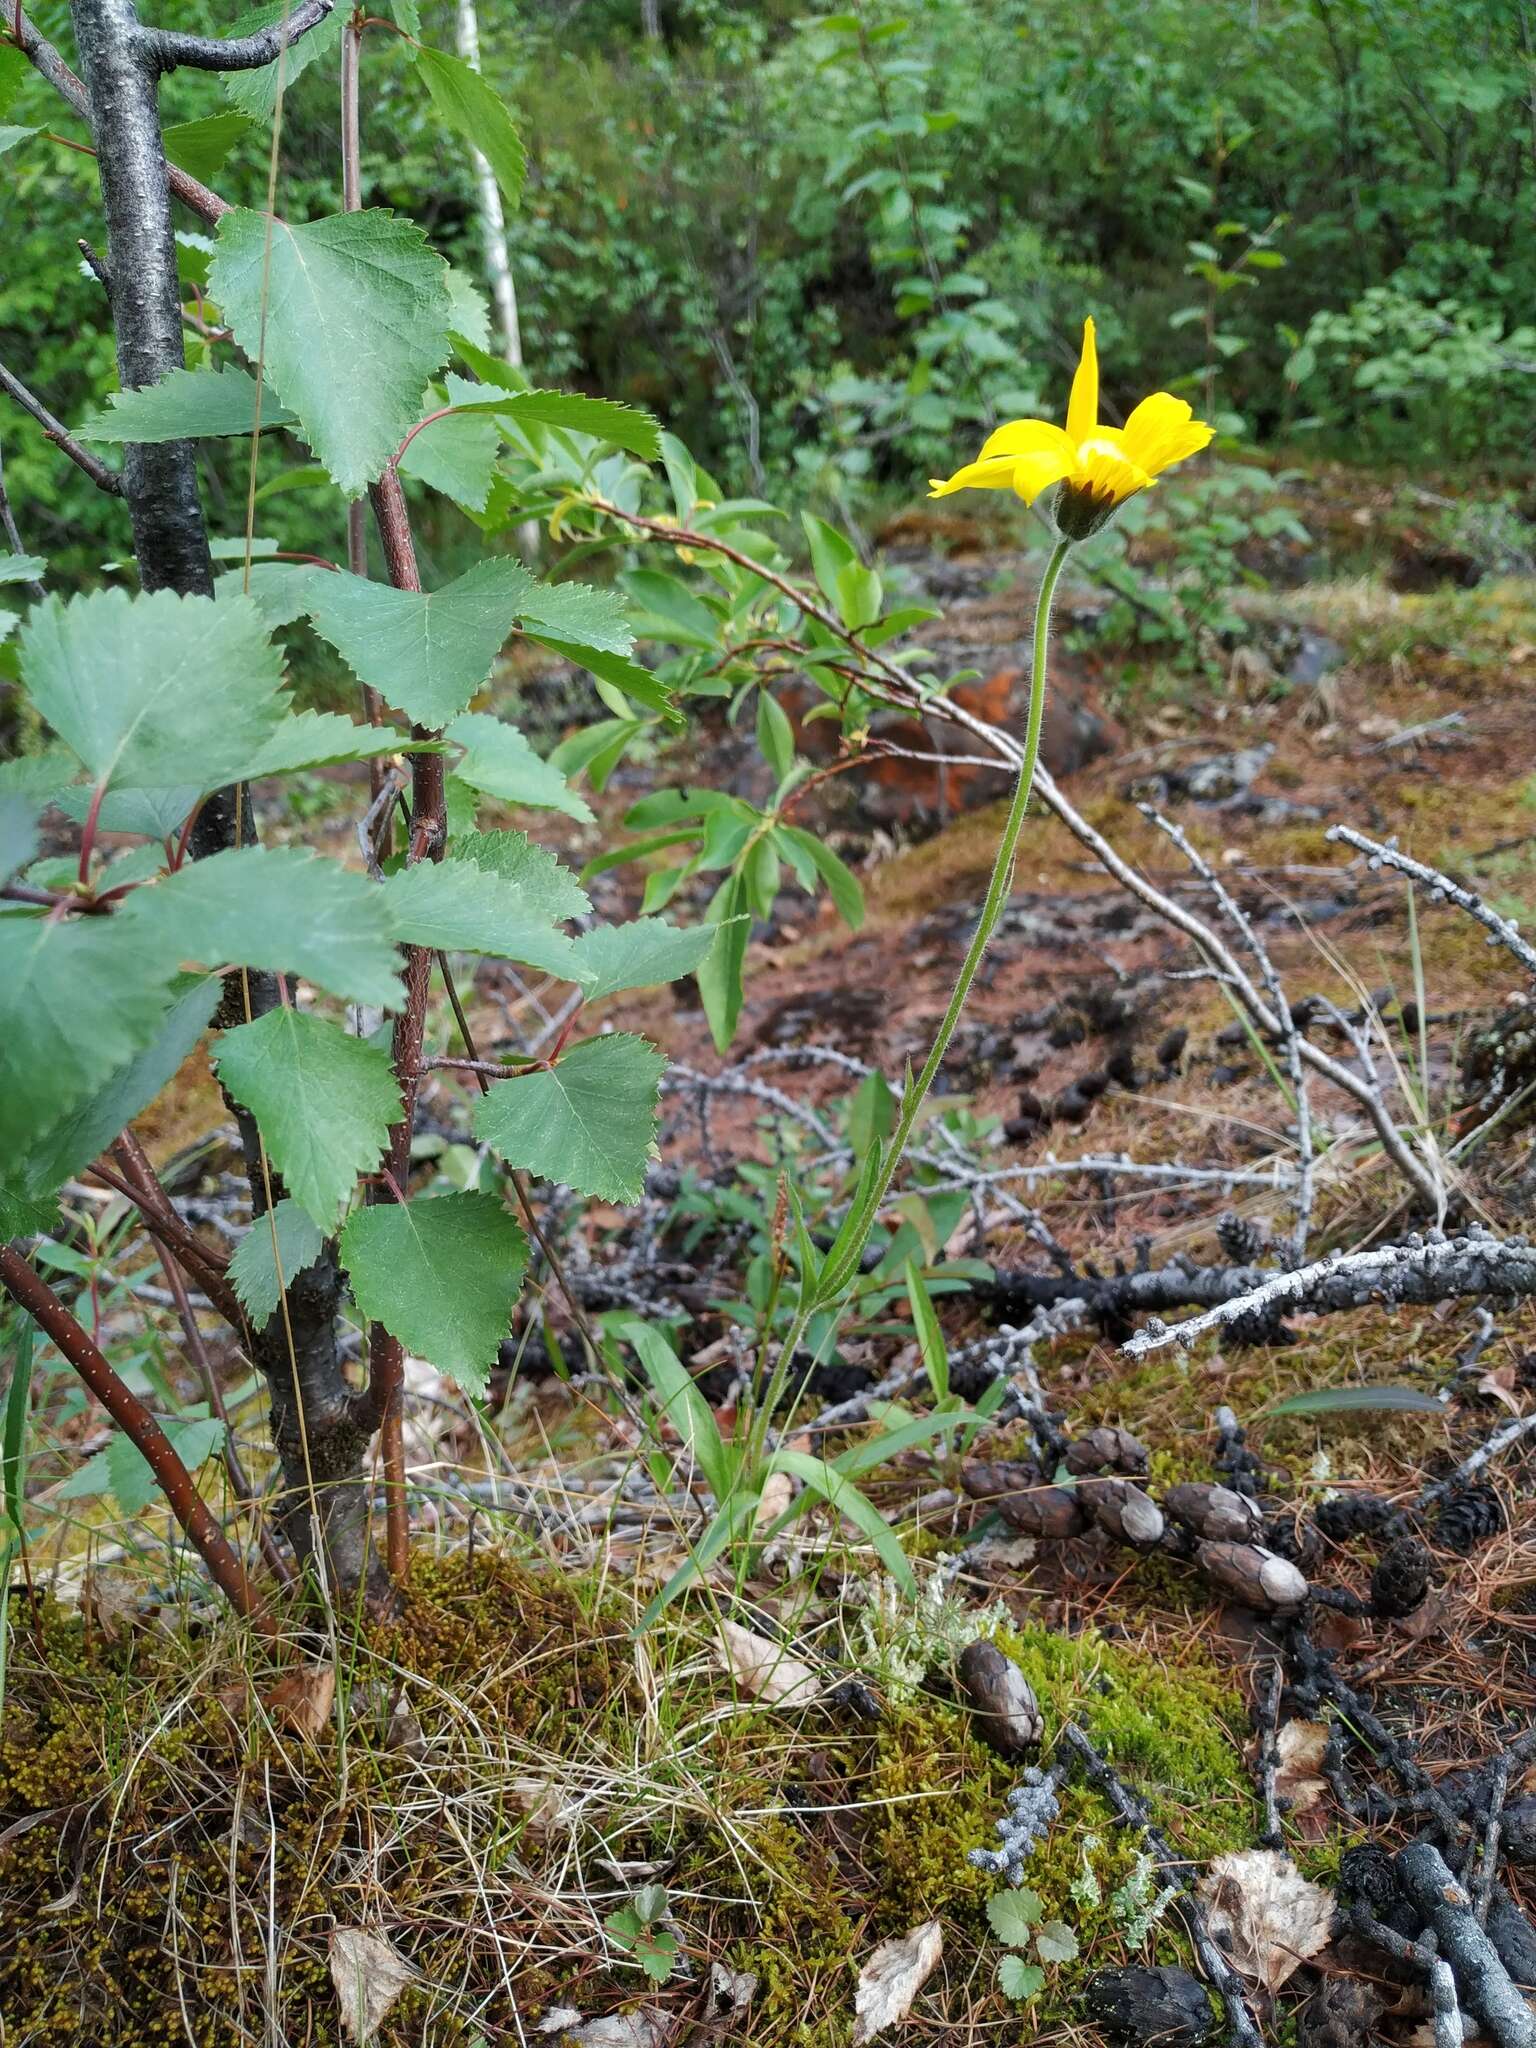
[1083,407]
[1027,437]
[1163,430]
[1105,472]
[1035,473]
[993,475]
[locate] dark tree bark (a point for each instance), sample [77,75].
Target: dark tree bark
[321,1424]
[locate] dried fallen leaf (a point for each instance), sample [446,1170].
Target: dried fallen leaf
[369,1974]
[544,1804]
[892,1978]
[778,1491]
[1266,1915]
[302,1701]
[765,1670]
[644,2029]
[1301,1747]
[730,1990]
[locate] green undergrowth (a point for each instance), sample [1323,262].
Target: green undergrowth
[176,1849]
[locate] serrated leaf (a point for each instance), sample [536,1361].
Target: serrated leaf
[603,419]
[25,1215]
[18,831]
[279,590]
[1013,1915]
[255,92]
[427,653]
[11,136]
[635,680]
[123,1471]
[457,456]
[544,888]
[21,568]
[86,1132]
[316,739]
[470,107]
[441,1275]
[322,1099]
[1055,1942]
[500,762]
[274,907]
[407,16]
[356,321]
[78,1000]
[471,316]
[154,690]
[187,405]
[579,612]
[461,907]
[253,1270]
[588,1123]
[643,954]
[200,147]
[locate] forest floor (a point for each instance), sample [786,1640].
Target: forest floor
[509,1816]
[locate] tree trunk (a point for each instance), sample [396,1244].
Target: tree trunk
[320,1424]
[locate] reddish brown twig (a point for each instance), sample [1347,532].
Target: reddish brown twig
[30,1291]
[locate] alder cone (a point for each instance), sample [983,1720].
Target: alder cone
[1007,1712]
[1124,1512]
[1254,1577]
[1107,1449]
[1165,2006]
[1215,1513]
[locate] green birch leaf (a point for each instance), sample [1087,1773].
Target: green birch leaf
[543,887]
[643,954]
[442,1275]
[461,907]
[469,107]
[153,690]
[635,680]
[471,315]
[11,136]
[253,1270]
[407,16]
[316,739]
[200,147]
[356,322]
[186,405]
[24,1215]
[427,653]
[87,1131]
[603,419]
[22,568]
[323,1099]
[255,92]
[18,831]
[589,1122]
[79,998]
[279,590]
[499,761]
[457,456]
[576,611]
[271,906]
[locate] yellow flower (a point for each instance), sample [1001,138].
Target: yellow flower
[1096,467]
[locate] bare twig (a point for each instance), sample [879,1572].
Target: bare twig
[103,478]
[170,48]
[1502,931]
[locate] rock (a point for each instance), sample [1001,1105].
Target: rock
[1167,2007]
[1124,1512]
[1255,1577]
[1007,1712]
[1108,1449]
[1316,656]
[1215,1513]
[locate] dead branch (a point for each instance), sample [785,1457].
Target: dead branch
[1502,931]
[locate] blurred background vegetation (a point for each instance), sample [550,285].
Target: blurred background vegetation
[830,250]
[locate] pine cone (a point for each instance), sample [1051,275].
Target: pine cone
[1167,2006]
[1108,1449]
[990,1482]
[1401,1580]
[1007,1712]
[1357,1514]
[1255,1577]
[1124,1512]
[1054,1512]
[1241,1239]
[1215,1513]
[1467,1518]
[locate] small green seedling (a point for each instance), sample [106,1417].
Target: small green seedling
[1016,1919]
[637,1928]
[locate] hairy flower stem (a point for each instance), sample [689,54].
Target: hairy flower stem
[828,1290]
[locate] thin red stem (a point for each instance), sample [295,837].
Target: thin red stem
[88,833]
[30,1291]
